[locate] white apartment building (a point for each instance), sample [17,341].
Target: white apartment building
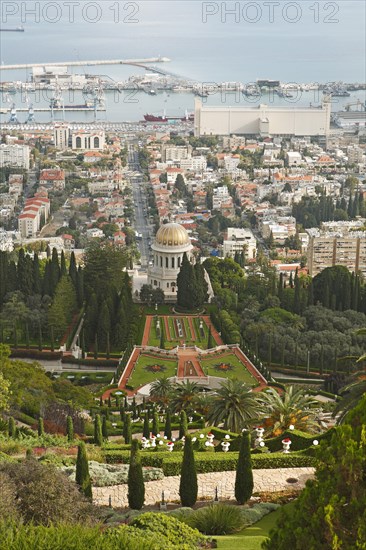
[61,136]
[327,249]
[194,164]
[220,195]
[101,187]
[175,153]
[14,155]
[239,240]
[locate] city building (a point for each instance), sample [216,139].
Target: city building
[52,178]
[61,136]
[330,248]
[239,240]
[261,121]
[88,141]
[14,155]
[171,242]
[175,153]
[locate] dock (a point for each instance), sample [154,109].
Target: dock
[138,62]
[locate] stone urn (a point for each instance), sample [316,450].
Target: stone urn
[225,446]
[286,443]
[259,431]
[170,446]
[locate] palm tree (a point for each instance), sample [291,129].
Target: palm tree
[233,405]
[351,395]
[161,389]
[292,407]
[183,396]
[203,402]
[353,392]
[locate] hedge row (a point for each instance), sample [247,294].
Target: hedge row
[211,462]
[34,354]
[300,440]
[90,362]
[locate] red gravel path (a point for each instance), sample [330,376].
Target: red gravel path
[214,332]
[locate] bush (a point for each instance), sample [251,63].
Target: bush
[44,495]
[136,486]
[188,487]
[216,519]
[300,440]
[254,514]
[244,476]
[175,531]
[105,475]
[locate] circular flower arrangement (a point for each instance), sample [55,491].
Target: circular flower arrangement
[224,367]
[155,368]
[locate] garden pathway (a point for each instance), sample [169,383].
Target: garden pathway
[253,371]
[265,480]
[214,332]
[145,338]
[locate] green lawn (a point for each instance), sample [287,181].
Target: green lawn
[140,376]
[154,339]
[238,369]
[252,537]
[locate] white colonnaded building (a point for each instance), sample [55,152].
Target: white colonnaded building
[171,242]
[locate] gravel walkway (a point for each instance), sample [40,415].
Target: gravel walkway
[266,480]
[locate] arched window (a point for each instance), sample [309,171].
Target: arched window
[161,261]
[178,261]
[78,143]
[173,263]
[96,143]
[166,261]
[155,283]
[167,285]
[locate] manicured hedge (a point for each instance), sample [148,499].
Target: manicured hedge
[300,440]
[90,362]
[35,354]
[210,462]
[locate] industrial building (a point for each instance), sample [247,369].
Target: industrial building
[261,121]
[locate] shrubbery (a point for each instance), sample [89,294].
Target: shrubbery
[104,475]
[216,519]
[176,532]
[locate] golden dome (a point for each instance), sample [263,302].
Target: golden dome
[172,234]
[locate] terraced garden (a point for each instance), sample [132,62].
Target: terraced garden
[149,367]
[178,330]
[228,365]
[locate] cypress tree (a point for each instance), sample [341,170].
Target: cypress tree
[104,326]
[73,269]
[146,427]
[136,486]
[104,427]
[46,287]
[52,338]
[40,427]
[37,286]
[108,348]
[183,425]
[188,487]
[54,271]
[96,347]
[82,476]
[70,428]
[122,413]
[244,476]
[63,270]
[155,424]
[168,425]
[12,429]
[15,336]
[40,343]
[98,435]
[127,429]
[80,286]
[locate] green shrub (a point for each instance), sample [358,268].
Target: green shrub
[175,531]
[257,512]
[82,476]
[136,486]
[216,519]
[105,475]
[244,476]
[188,486]
[210,462]
[300,440]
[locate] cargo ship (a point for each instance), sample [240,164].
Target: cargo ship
[164,118]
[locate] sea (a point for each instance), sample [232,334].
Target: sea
[207,41]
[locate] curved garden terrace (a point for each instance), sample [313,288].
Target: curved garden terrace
[205,367]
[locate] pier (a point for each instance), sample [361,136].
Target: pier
[138,62]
